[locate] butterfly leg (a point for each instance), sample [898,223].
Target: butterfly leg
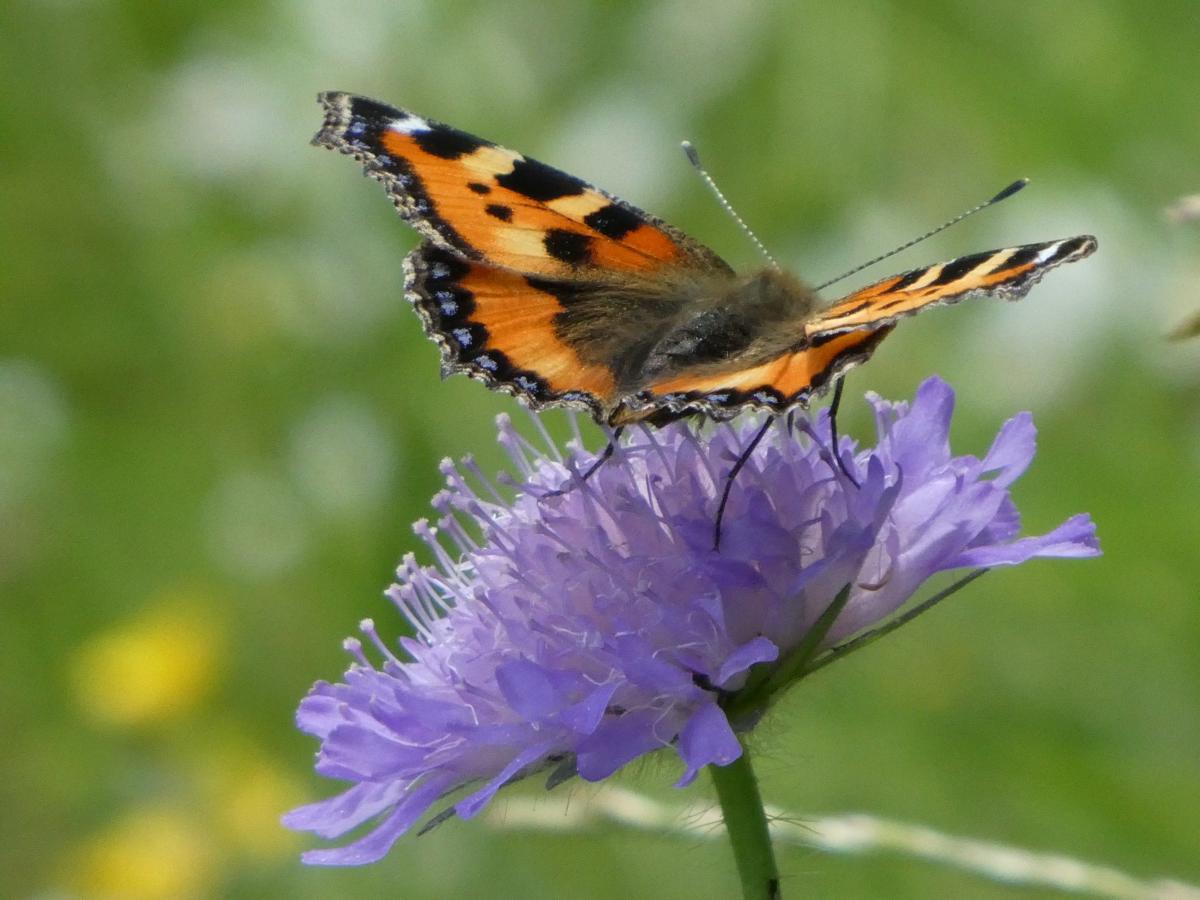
[733,473]
[833,408]
[605,456]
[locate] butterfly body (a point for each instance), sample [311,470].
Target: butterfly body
[544,287]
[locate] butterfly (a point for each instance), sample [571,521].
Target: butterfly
[544,287]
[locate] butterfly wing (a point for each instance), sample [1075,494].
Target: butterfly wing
[506,330]
[1007,273]
[789,379]
[529,279]
[846,333]
[495,206]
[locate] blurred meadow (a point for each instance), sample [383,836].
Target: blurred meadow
[219,418]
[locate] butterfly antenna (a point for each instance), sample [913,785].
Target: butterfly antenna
[694,158]
[1003,195]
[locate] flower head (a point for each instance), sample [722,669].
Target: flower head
[579,630]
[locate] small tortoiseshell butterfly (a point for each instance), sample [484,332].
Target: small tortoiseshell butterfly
[542,286]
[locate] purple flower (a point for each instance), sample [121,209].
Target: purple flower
[576,632]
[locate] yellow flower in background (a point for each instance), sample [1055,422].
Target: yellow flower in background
[153,667]
[150,854]
[219,816]
[242,790]
[250,814]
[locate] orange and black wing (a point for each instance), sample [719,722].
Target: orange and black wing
[506,330]
[492,205]
[848,332]
[529,279]
[789,379]
[1007,273]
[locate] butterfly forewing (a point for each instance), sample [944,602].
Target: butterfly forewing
[498,206]
[1008,273]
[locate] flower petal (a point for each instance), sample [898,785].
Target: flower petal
[375,845]
[1012,450]
[706,739]
[757,650]
[1075,537]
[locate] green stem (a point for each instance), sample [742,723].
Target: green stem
[746,825]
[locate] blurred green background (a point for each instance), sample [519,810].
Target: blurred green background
[218,417]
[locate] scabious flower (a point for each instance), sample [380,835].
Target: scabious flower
[576,631]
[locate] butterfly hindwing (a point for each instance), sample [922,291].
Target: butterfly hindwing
[494,205]
[1007,273]
[790,379]
[504,329]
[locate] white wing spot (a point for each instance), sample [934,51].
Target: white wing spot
[1049,252]
[410,125]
